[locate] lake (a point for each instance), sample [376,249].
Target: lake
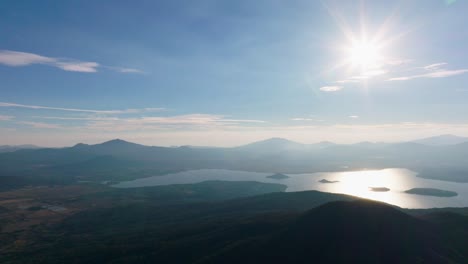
[355,183]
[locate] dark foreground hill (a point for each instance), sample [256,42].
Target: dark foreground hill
[303,227]
[347,232]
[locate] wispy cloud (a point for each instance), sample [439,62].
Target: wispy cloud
[190,119]
[5,118]
[363,76]
[398,62]
[181,119]
[242,121]
[85,118]
[370,74]
[347,81]
[434,66]
[128,70]
[334,88]
[16,58]
[434,70]
[41,125]
[432,74]
[78,66]
[446,73]
[19,59]
[306,119]
[125,111]
[354,116]
[147,123]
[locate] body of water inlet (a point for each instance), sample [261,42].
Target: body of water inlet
[357,183]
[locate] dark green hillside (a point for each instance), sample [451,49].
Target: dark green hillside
[343,232]
[193,224]
[431,192]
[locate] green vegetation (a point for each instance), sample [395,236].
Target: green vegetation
[198,223]
[431,192]
[379,189]
[327,181]
[278,176]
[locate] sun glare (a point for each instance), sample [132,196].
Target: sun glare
[364,54]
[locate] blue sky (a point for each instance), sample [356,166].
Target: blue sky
[230,72]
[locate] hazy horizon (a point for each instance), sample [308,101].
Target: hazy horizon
[231,145]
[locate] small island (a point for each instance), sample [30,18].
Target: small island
[327,181]
[278,176]
[379,189]
[431,192]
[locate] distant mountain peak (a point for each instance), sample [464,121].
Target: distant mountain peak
[442,140]
[12,148]
[80,145]
[273,145]
[278,138]
[117,142]
[275,140]
[325,142]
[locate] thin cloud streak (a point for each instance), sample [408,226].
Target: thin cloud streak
[347,81]
[126,111]
[331,88]
[190,121]
[16,58]
[186,121]
[398,62]
[434,66]
[78,66]
[435,74]
[306,119]
[21,59]
[91,118]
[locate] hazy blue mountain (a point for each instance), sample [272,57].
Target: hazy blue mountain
[442,140]
[323,144]
[8,148]
[122,160]
[274,145]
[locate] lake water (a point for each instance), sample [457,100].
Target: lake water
[355,183]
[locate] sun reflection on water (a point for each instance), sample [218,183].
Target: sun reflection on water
[356,183]
[360,183]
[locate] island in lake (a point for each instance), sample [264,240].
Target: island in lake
[278,176]
[431,192]
[327,181]
[379,189]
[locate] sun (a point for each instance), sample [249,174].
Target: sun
[363,54]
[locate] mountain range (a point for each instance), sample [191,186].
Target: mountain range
[216,221]
[121,160]
[442,140]
[8,148]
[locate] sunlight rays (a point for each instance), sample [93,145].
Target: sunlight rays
[365,55]
[364,52]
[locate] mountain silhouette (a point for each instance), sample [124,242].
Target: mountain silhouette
[347,232]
